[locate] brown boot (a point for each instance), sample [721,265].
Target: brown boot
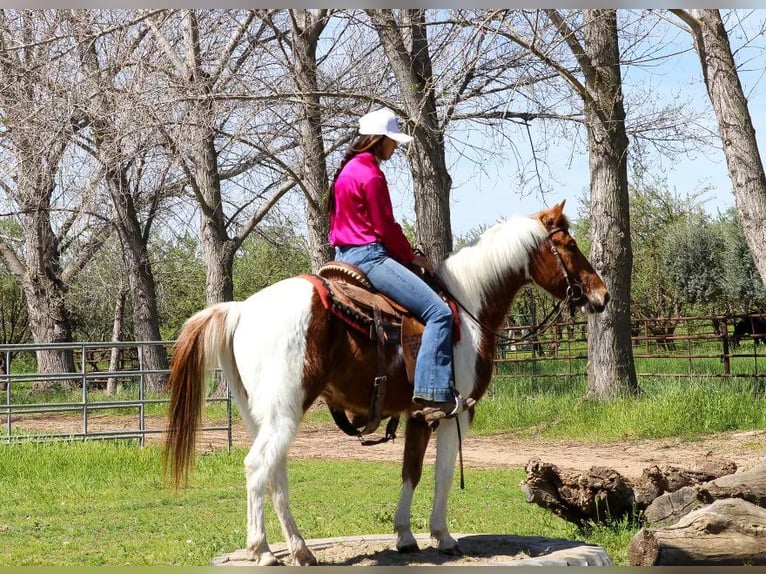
[434,411]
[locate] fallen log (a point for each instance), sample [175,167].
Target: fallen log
[602,495]
[598,496]
[668,508]
[730,531]
[660,479]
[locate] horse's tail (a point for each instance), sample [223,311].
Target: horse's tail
[205,342]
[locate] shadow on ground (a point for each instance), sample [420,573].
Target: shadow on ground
[478,550]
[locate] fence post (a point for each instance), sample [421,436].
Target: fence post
[228,414]
[725,338]
[7,377]
[83,364]
[142,404]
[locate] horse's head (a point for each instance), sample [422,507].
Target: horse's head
[559,267]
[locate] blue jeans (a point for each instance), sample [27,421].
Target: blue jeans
[433,369]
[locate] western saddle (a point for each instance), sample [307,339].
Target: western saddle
[346,292]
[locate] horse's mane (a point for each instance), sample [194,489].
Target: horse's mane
[504,247]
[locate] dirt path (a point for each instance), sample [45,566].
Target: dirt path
[628,457]
[323,441]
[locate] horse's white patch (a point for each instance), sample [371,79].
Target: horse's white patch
[270,346]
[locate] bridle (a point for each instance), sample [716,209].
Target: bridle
[574,293]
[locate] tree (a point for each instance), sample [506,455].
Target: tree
[743,288]
[610,359]
[41,118]
[114,117]
[406,45]
[307,26]
[205,80]
[274,253]
[735,125]
[654,211]
[692,258]
[14,326]
[180,271]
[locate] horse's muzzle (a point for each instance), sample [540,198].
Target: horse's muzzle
[596,302]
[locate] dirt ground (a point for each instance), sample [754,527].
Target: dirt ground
[629,457]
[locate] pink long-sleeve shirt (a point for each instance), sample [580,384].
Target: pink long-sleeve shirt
[363,212]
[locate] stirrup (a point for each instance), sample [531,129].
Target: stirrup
[434,411]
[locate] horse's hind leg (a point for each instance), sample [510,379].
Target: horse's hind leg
[266,466]
[415,443]
[257,479]
[302,556]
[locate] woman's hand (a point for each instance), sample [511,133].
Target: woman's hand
[424,262]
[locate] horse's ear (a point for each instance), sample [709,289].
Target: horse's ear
[552,216]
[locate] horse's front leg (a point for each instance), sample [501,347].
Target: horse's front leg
[446,453]
[416,439]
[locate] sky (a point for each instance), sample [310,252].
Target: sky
[481,197]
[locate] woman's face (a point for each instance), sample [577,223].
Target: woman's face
[387,148]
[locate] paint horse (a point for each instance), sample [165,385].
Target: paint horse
[281,349]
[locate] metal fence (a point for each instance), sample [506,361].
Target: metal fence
[25,417]
[700,347]
[676,347]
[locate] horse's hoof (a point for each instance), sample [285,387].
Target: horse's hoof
[268,559]
[408,548]
[304,559]
[454,551]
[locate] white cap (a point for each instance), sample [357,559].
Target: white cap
[382,122]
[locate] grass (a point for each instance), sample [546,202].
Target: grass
[103,503]
[685,407]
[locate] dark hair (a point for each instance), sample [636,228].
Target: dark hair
[361,144]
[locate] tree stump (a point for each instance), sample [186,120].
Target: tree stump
[671,506]
[731,531]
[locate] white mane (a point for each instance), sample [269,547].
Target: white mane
[506,245]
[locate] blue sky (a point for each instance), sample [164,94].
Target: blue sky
[480,197]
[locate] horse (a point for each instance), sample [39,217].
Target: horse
[281,349]
[754,327]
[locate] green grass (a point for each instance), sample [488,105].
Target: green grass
[103,503]
[666,407]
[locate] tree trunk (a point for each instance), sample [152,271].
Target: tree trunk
[611,370]
[42,282]
[141,280]
[116,353]
[603,496]
[307,27]
[729,532]
[598,496]
[217,248]
[411,62]
[735,127]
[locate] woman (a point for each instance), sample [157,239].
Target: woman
[364,233]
